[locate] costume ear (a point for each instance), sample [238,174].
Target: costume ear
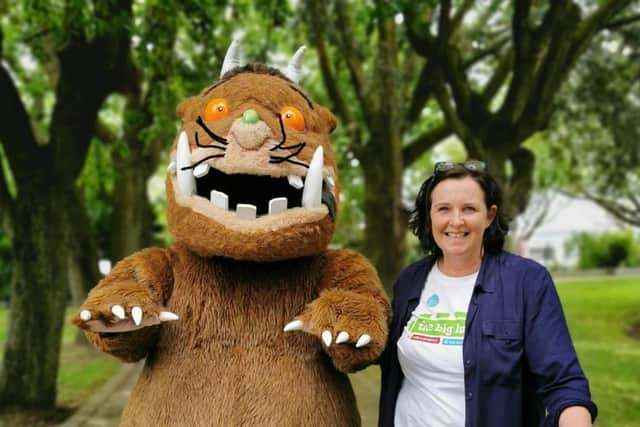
[181,109]
[329,118]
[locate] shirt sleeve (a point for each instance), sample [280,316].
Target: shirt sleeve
[549,352]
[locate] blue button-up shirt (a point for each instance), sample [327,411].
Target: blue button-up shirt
[520,367]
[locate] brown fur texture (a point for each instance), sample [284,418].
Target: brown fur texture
[235,284]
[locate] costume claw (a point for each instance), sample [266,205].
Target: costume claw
[85,315]
[166,316]
[363,340]
[327,338]
[118,311]
[294,325]
[342,337]
[136,313]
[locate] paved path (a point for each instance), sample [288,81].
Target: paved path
[104,407]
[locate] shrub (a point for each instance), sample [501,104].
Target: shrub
[605,250]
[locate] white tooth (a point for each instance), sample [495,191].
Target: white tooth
[172,166]
[312,193]
[295,181]
[330,181]
[85,315]
[277,205]
[186,181]
[220,200]
[201,170]
[245,211]
[136,314]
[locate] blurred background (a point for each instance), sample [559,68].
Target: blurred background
[546,92]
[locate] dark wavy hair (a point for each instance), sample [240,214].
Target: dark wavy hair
[420,221]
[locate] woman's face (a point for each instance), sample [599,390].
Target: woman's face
[459,216]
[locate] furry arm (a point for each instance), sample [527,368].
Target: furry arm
[353,307]
[144,280]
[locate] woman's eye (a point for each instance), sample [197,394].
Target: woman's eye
[216,109]
[293,117]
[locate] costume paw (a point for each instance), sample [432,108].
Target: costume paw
[351,327]
[120,317]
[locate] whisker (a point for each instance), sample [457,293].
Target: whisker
[213,156]
[210,132]
[286,159]
[280,159]
[208,146]
[284,134]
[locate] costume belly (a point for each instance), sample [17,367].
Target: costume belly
[227,361]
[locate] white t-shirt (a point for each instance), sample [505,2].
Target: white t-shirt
[430,354]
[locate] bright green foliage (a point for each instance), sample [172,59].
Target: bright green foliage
[606,250]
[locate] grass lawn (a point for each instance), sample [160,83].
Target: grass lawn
[600,312]
[82,369]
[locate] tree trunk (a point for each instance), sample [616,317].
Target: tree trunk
[386,219]
[83,253]
[31,357]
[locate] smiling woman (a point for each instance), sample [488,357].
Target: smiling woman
[478,338]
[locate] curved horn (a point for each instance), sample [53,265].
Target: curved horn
[294,69]
[232,58]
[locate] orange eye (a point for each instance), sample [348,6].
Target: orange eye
[292,117]
[216,109]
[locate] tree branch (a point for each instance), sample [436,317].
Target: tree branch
[412,151]
[421,93]
[445,103]
[7,206]
[622,22]
[352,58]
[498,78]
[617,209]
[16,133]
[460,14]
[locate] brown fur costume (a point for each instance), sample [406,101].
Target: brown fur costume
[235,283]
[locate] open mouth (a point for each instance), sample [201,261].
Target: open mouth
[252,196]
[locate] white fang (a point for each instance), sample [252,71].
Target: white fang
[312,193]
[186,181]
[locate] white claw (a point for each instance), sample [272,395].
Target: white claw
[186,180]
[363,340]
[312,193]
[342,337]
[118,311]
[295,181]
[294,325]
[166,316]
[85,315]
[327,338]
[136,314]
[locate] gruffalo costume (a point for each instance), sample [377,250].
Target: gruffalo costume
[252,194]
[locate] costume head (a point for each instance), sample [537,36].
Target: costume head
[253,175]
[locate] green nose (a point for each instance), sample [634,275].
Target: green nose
[250,117]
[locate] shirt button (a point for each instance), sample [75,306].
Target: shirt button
[468,362]
[469,395]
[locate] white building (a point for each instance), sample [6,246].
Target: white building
[563,217]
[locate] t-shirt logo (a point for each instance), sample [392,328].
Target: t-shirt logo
[439,328]
[433,300]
